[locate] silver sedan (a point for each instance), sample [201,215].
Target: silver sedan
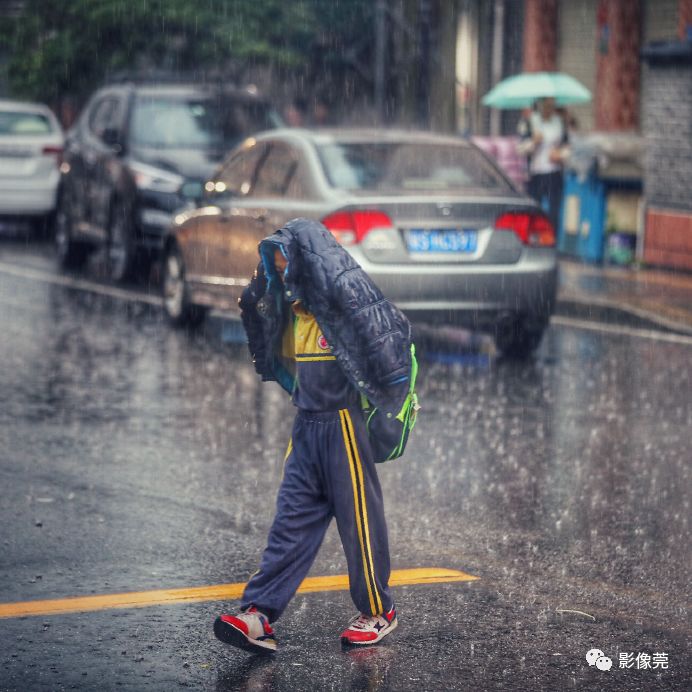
[430,217]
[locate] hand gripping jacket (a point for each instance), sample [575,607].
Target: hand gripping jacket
[370,337]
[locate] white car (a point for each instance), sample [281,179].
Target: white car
[31,148]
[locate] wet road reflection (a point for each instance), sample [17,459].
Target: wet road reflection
[584,452]
[142,457]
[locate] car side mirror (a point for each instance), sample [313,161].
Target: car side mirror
[111,138]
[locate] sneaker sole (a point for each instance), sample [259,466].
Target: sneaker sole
[229,634]
[394,624]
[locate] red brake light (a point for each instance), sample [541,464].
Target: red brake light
[53,151]
[350,227]
[532,229]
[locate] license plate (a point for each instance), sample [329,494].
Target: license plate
[441,240]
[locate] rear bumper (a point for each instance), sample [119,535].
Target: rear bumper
[477,296]
[33,198]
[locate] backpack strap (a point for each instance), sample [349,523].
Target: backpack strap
[410,408]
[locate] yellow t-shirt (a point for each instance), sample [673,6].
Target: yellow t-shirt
[320,383]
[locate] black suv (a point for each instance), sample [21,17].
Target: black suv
[138,153]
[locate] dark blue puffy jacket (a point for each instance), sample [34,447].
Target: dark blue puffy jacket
[370,337]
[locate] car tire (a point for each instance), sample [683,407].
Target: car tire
[71,253]
[516,340]
[175,291]
[121,251]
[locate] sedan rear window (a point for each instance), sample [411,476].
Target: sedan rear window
[14,123]
[408,166]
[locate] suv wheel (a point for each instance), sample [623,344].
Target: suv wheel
[121,256]
[517,340]
[71,254]
[176,295]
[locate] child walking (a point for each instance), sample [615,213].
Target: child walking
[318,325]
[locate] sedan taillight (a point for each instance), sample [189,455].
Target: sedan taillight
[532,229]
[351,227]
[53,151]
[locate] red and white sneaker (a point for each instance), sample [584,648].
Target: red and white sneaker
[364,630]
[249,630]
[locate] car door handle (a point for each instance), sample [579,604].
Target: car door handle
[260,216]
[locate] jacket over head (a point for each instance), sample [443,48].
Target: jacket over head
[368,335]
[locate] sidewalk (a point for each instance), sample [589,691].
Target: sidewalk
[644,297]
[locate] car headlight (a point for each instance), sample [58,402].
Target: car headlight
[156,179]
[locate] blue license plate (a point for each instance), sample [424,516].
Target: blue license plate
[441,240]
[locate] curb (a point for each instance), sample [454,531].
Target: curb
[599,310]
[229,329]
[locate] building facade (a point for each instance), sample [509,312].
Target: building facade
[607,46]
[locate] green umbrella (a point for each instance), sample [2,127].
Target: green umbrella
[523,89]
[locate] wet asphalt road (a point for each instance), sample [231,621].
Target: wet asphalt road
[135,457]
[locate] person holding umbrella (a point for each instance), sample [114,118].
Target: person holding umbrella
[545,135]
[545,142]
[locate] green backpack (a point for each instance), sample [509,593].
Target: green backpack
[388,433]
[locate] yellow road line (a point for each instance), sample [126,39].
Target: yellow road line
[220,592]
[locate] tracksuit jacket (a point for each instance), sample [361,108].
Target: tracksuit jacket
[325,332]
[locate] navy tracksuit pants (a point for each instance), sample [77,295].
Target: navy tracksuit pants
[329,472]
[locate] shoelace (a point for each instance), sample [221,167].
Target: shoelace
[361,621]
[264,621]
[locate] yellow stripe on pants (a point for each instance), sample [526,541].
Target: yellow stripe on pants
[349,425]
[361,519]
[289,449]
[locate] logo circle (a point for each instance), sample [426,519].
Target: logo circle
[604,663]
[593,655]
[322,343]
